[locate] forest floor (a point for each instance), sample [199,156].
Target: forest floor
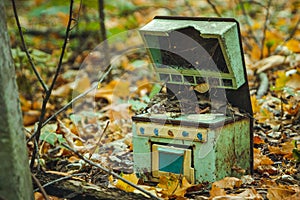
[94,133]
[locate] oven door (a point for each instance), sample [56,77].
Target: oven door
[170,159]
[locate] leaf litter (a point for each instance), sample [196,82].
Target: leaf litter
[276,114]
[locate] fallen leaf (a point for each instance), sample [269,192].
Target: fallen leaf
[260,159]
[228,183]
[172,186]
[258,140]
[30,117]
[250,193]
[124,186]
[294,81]
[280,192]
[216,191]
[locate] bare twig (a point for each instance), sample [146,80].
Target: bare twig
[265,29]
[48,93]
[102,77]
[109,172]
[293,32]
[103,37]
[214,8]
[57,180]
[99,140]
[26,50]
[40,187]
[251,32]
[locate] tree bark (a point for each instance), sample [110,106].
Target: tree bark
[15,178]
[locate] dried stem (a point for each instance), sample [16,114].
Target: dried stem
[251,32]
[99,140]
[26,49]
[109,172]
[214,8]
[103,37]
[74,100]
[48,93]
[40,187]
[57,180]
[265,29]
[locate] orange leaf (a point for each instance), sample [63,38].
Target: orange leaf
[293,45]
[30,117]
[216,191]
[258,140]
[260,159]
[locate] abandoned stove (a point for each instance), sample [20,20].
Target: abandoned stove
[199,125]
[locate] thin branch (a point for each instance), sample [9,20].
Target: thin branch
[109,172]
[26,50]
[40,187]
[103,37]
[48,93]
[214,8]
[265,29]
[293,32]
[74,100]
[99,140]
[251,32]
[57,180]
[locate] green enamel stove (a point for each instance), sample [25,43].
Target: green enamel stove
[200,126]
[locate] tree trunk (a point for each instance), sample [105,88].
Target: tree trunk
[15,178]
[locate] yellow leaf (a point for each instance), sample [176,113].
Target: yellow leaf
[172,186]
[124,186]
[281,80]
[293,45]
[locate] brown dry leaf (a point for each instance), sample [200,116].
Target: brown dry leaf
[62,91]
[124,186]
[118,112]
[143,87]
[116,88]
[281,192]
[260,159]
[258,140]
[73,140]
[264,115]
[216,191]
[292,107]
[250,193]
[294,81]
[168,184]
[30,117]
[270,62]
[285,148]
[173,187]
[181,191]
[81,84]
[39,196]
[228,183]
